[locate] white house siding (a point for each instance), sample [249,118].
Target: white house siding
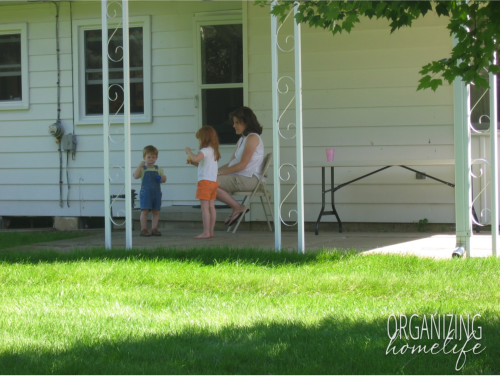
[359,97]
[29,177]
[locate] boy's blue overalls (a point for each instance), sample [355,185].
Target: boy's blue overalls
[150,195]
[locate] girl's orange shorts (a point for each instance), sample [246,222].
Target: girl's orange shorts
[207,190]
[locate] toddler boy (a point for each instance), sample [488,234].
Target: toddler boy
[150,196]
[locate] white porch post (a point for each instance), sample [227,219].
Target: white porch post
[277,119]
[494,161]
[126,125]
[105,124]
[276,140]
[298,125]
[462,135]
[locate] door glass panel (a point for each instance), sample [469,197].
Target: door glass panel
[217,105]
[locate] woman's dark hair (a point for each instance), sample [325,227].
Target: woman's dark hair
[247,117]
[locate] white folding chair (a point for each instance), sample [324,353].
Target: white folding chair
[261,191]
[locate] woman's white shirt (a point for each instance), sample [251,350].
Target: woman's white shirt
[254,167]
[208,166]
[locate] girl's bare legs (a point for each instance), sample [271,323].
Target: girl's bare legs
[155,219]
[144,219]
[205,215]
[227,199]
[213,217]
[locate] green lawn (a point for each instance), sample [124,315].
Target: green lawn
[224,311]
[12,239]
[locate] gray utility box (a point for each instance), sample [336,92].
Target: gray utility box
[69,142]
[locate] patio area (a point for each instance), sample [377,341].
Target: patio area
[435,245]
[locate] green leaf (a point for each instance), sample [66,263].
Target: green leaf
[436,83]
[475,24]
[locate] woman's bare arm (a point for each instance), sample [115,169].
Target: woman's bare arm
[250,146]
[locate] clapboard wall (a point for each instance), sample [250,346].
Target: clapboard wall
[29,176]
[359,96]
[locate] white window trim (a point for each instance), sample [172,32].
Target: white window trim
[19,28]
[79,27]
[218,18]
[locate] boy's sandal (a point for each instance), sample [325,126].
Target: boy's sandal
[145,233]
[228,219]
[155,232]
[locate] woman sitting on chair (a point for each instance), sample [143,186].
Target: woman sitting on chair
[243,171]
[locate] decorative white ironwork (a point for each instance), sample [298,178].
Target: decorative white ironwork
[481,161]
[464,204]
[110,93]
[287,37]
[281,88]
[289,193]
[483,190]
[285,91]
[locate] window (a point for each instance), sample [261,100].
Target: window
[220,71]
[93,71]
[14,88]
[89,106]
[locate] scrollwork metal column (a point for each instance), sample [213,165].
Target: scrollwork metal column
[105,125]
[492,132]
[277,117]
[107,121]
[494,159]
[126,125]
[276,140]
[299,144]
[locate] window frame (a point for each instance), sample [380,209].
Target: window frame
[218,18]
[79,28]
[22,29]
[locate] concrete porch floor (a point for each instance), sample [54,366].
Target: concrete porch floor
[421,244]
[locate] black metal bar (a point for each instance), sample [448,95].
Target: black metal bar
[332,172]
[362,177]
[322,198]
[333,189]
[424,174]
[323,201]
[474,226]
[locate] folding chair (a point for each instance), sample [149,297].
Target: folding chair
[261,191]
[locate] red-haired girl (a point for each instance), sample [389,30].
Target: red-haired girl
[206,160]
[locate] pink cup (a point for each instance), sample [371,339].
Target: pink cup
[329,154]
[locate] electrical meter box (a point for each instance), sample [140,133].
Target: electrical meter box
[69,142]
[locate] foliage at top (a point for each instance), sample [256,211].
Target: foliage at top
[475,24]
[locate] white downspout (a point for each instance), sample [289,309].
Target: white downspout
[462,138]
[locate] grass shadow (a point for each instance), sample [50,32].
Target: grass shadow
[332,346]
[203,255]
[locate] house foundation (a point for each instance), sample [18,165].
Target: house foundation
[66,223]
